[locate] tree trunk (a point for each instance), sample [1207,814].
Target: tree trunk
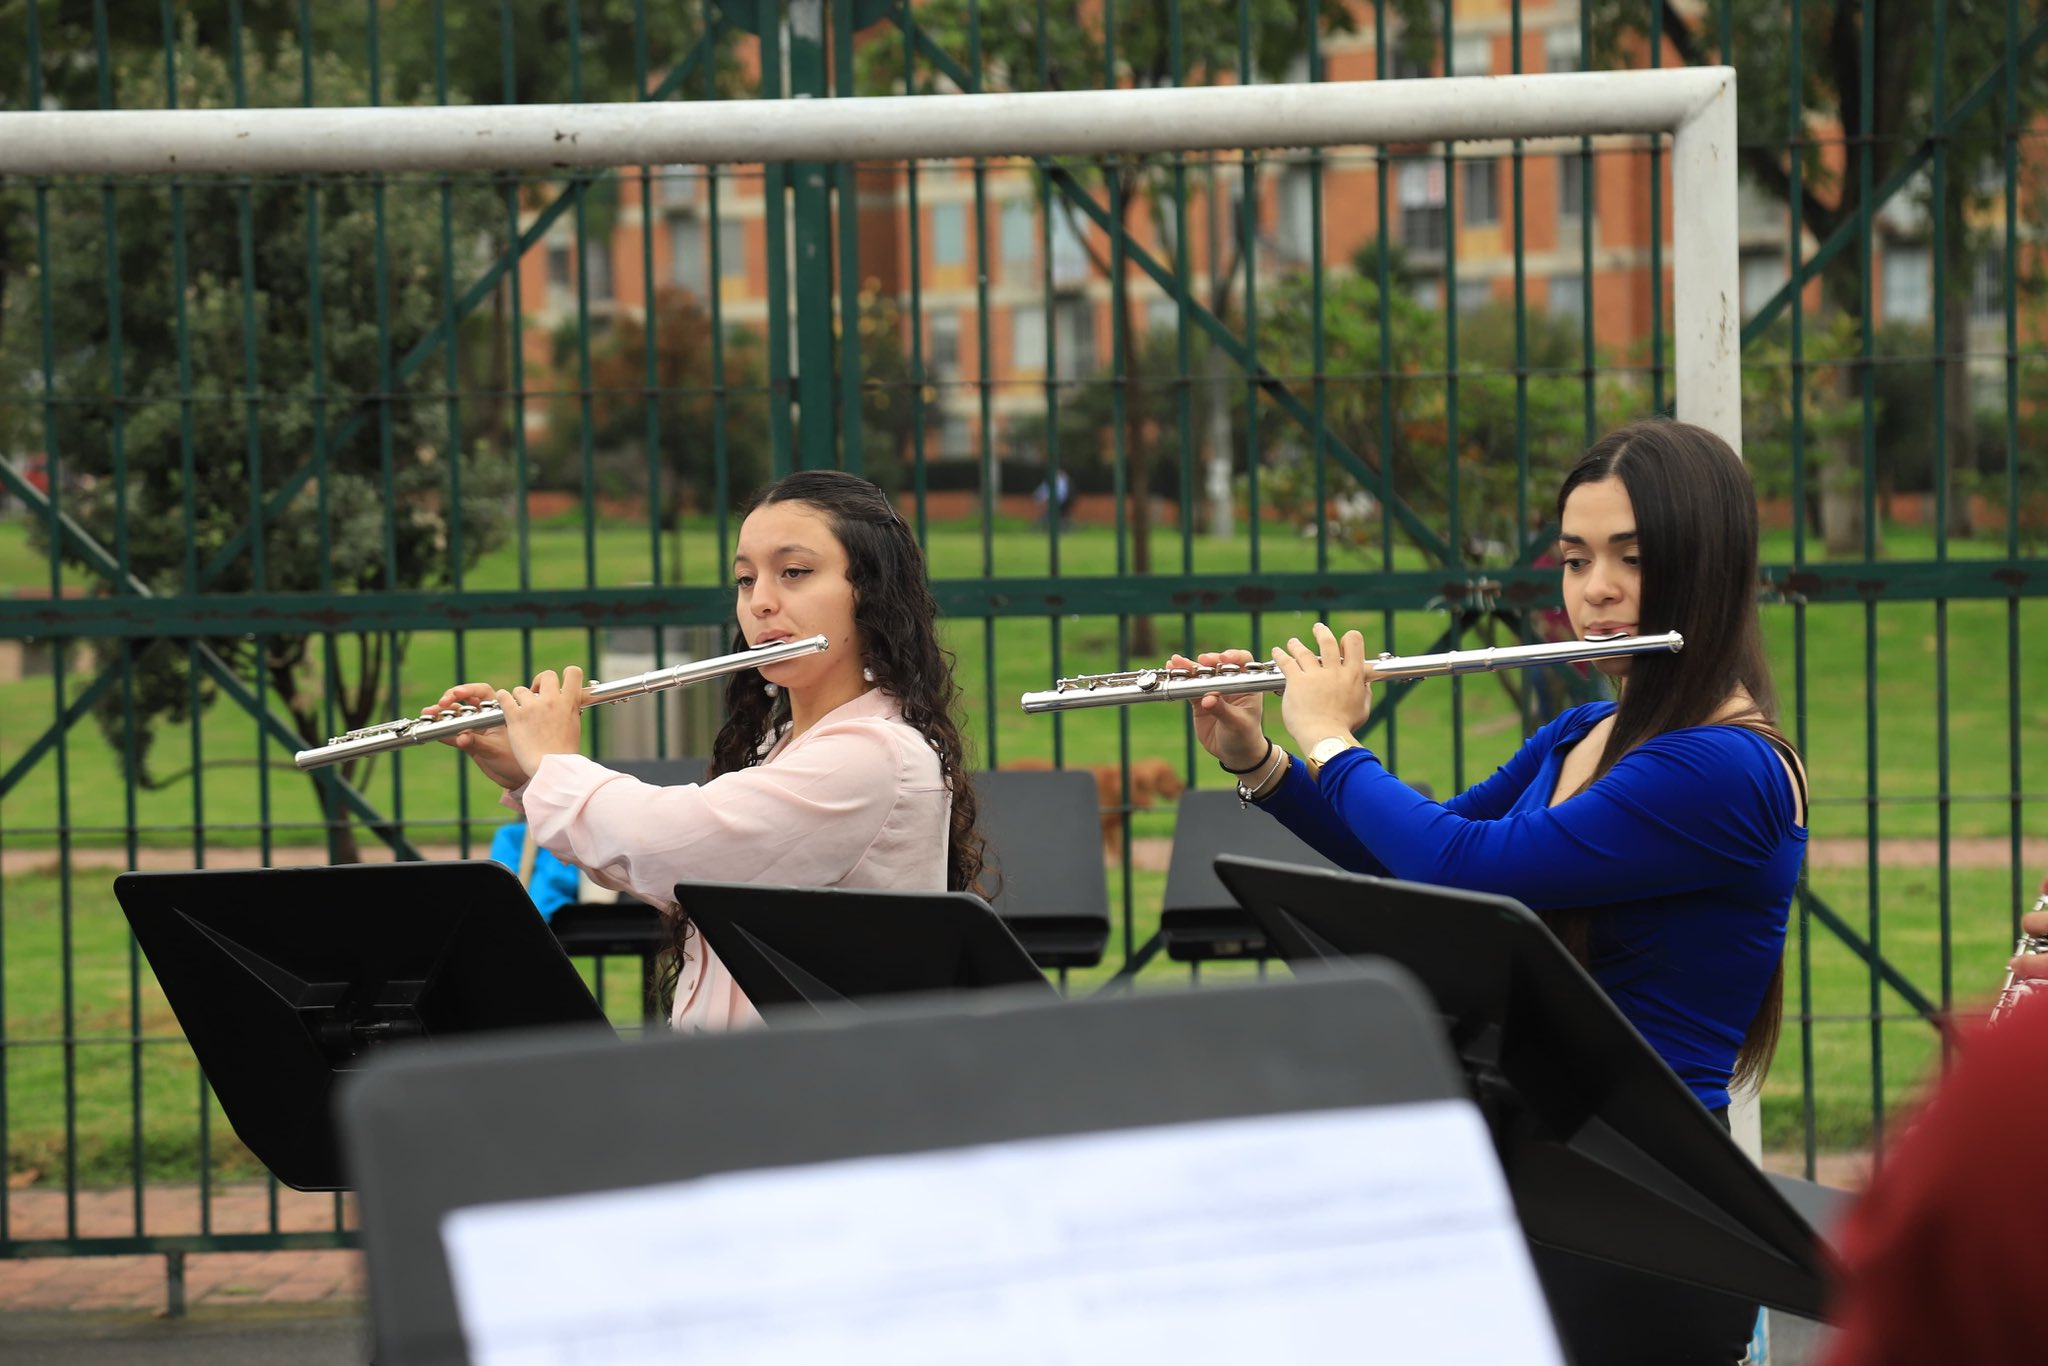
[1138,455]
[1841,501]
[1222,515]
[341,835]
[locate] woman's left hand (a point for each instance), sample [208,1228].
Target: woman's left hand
[1328,688]
[545,718]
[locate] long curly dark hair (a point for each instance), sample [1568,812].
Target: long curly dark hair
[1695,511]
[897,618]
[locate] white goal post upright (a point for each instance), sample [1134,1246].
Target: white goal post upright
[1694,105]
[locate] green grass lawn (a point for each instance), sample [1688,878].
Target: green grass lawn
[1872,721]
[137,1106]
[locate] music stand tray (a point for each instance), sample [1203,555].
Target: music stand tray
[285,978]
[820,946]
[1608,1154]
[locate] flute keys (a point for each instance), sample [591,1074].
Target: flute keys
[1148,681]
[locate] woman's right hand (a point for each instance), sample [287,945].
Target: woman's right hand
[490,746]
[1231,727]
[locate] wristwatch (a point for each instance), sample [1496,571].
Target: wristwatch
[1326,749]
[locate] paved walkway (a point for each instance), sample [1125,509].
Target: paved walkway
[211,1278]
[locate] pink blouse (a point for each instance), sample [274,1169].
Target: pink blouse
[855,801]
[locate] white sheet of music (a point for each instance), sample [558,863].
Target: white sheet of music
[1383,1233]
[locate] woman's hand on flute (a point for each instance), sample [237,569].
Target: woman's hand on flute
[1329,688]
[545,718]
[2034,966]
[490,747]
[1230,727]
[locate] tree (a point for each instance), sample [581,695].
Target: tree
[384,517]
[688,398]
[1828,38]
[1024,46]
[889,395]
[1413,403]
[1151,421]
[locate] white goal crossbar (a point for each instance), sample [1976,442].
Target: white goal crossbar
[1695,105]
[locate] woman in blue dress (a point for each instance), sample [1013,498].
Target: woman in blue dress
[1660,835]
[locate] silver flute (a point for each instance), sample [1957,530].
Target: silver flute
[1185,685]
[419,730]
[2017,988]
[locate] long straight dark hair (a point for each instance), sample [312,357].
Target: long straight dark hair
[1695,515]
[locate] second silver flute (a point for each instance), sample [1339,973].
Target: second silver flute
[418,730]
[1184,685]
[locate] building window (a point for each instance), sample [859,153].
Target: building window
[1069,251]
[1407,68]
[956,442]
[1988,286]
[1472,56]
[597,270]
[1571,186]
[1763,273]
[942,348]
[1297,225]
[1908,285]
[1027,338]
[1162,316]
[1474,295]
[1421,189]
[1020,234]
[686,264]
[1074,323]
[561,275]
[1567,297]
[680,185]
[949,235]
[1561,49]
[1482,193]
[732,249]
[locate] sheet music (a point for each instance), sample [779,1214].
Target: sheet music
[1383,1232]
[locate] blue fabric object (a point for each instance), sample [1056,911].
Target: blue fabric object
[554,882]
[1686,850]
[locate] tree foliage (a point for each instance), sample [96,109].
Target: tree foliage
[222,392]
[693,403]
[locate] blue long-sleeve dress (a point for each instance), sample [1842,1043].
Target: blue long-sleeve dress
[1686,852]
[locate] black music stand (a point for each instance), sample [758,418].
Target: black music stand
[284,978]
[1043,833]
[821,946]
[1608,1154]
[433,1134]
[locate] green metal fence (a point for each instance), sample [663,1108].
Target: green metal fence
[289,455]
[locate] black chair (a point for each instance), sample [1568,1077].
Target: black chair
[1045,857]
[1199,920]
[628,927]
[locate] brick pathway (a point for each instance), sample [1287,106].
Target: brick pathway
[211,1278]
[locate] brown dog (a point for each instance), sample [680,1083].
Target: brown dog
[1151,780]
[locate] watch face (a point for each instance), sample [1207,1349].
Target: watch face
[1329,749]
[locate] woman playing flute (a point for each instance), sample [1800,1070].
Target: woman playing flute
[837,769]
[1659,834]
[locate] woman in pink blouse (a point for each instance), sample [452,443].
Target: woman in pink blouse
[837,769]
